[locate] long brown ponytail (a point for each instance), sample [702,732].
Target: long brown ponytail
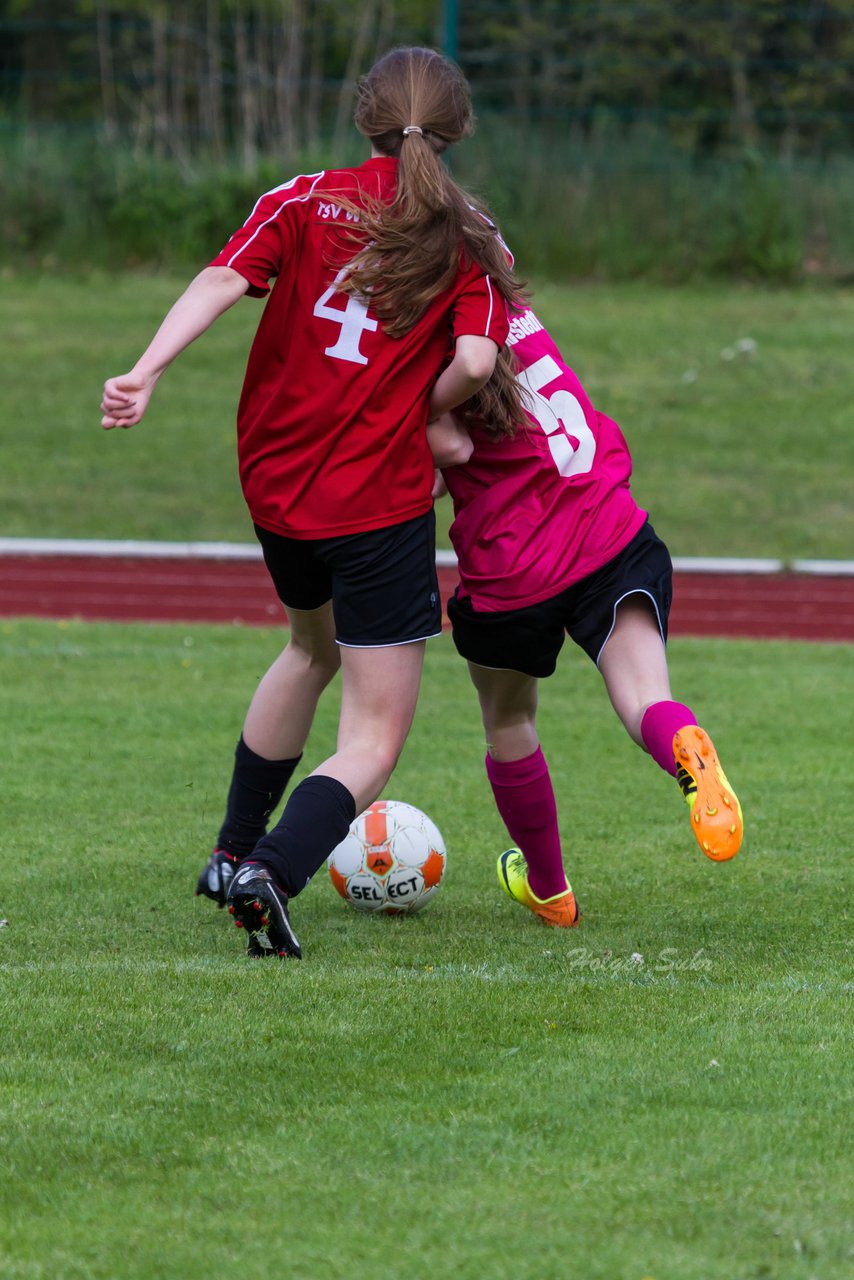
[413,104]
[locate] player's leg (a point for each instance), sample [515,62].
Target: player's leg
[379,692]
[508,708]
[532,872]
[281,711]
[633,664]
[270,747]
[386,602]
[283,706]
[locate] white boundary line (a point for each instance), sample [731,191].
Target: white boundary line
[727,564]
[132,549]
[831,568]
[138,550]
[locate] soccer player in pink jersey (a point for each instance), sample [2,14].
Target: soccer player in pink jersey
[550,541]
[374,267]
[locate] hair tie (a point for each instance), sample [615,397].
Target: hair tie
[413,128]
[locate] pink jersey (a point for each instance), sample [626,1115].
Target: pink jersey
[539,512]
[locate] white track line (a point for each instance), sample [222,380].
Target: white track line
[133,550]
[137,550]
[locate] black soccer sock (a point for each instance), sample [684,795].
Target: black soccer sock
[257,786]
[317,817]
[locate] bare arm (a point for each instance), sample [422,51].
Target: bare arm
[472,366]
[450,443]
[213,291]
[451,446]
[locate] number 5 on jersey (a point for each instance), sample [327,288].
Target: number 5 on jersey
[352,315]
[560,416]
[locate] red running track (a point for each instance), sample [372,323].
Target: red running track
[793,606]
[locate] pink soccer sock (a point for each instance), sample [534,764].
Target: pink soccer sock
[525,799]
[660,722]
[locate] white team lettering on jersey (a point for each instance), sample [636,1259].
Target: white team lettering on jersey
[327,209]
[522,326]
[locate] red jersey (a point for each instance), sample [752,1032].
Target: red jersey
[331,421]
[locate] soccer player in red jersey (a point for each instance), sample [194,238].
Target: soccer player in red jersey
[374,268]
[550,541]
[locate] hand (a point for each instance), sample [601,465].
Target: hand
[439,486]
[125,400]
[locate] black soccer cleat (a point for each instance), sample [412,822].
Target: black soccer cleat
[216,876]
[261,908]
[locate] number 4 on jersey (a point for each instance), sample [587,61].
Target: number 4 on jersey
[560,416]
[352,315]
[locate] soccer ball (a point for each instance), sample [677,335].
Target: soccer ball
[391,860]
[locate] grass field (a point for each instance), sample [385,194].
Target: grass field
[735,453]
[665,1092]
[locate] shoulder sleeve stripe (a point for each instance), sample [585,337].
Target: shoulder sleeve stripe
[292,200]
[499,237]
[491,303]
[283,186]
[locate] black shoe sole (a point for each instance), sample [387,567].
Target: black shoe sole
[265,935]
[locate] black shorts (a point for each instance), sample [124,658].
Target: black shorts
[530,639]
[382,584]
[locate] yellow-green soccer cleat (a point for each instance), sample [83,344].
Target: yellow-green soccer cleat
[716,817]
[560,912]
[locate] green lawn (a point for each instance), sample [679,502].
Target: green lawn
[735,453]
[665,1092]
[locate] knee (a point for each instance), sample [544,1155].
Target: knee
[507,719]
[318,663]
[375,756]
[386,757]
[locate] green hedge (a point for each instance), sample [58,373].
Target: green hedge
[612,206]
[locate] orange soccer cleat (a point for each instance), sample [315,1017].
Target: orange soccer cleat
[716,817]
[560,912]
